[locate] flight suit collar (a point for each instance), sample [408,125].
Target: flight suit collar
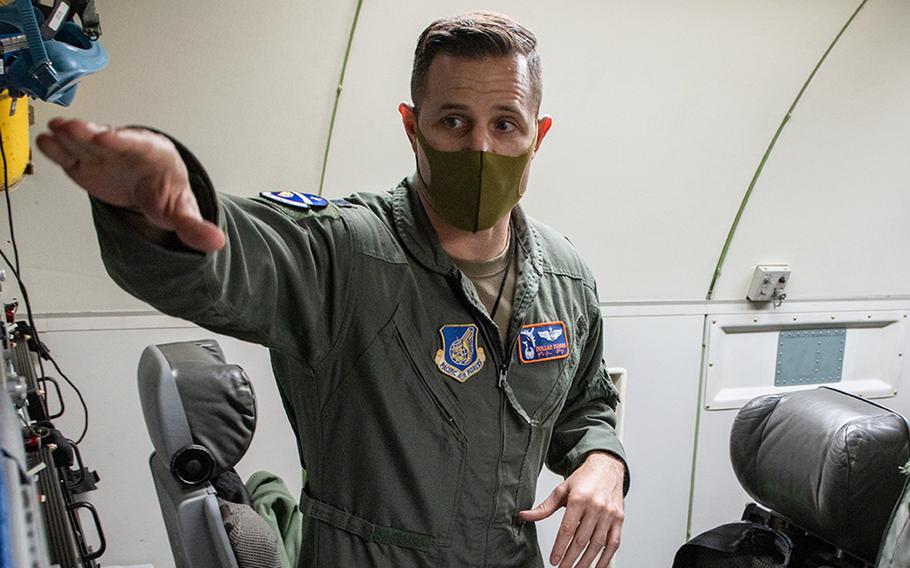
[421,240]
[415,230]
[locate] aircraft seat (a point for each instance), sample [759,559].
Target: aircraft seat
[201,415]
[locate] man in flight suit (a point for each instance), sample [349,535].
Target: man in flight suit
[433,346]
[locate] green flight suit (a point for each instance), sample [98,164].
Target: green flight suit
[895,547]
[407,466]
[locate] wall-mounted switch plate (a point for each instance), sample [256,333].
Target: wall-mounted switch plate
[769,283]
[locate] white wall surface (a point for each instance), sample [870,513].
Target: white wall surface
[662,111]
[717,494]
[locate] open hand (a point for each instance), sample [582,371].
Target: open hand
[133,169]
[593,499]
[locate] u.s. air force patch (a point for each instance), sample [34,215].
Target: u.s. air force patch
[296,199]
[460,357]
[543,342]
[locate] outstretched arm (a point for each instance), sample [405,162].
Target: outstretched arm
[235,266]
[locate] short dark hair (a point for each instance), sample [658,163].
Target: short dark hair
[475,35]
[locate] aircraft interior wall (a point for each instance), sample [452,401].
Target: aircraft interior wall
[662,112]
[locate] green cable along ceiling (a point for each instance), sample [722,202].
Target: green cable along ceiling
[338,90]
[723,254]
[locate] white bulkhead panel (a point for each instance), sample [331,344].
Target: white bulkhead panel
[744,353]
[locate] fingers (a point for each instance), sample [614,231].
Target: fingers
[179,214]
[547,507]
[566,532]
[53,149]
[130,168]
[580,541]
[199,234]
[612,545]
[596,545]
[592,525]
[84,139]
[76,129]
[128,140]
[175,208]
[602,540]
[69,144]
[77,136]
[133,169]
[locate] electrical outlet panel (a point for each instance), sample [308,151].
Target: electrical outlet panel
[769,283]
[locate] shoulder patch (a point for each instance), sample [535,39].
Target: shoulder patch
[296,199]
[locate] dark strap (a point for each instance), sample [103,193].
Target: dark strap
[88,15]
[736,539]
[54,18]
[366,530]
[63,11]
[41,68]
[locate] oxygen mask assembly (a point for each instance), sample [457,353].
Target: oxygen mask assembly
[47,50]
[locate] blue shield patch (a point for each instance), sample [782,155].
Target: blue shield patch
[541,342]
[296,199]
[460,357]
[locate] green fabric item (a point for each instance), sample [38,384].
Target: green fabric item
[895,551]
[407,466]
[273,501]
[472,190]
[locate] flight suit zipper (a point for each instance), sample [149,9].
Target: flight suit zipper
[505,356]
[506,397]
[501,355]
[503,374]
[497,353]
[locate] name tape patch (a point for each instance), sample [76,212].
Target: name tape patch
[296,199]
[541,342]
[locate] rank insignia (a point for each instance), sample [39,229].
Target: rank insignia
[460,357]
[296,199]
[543,342]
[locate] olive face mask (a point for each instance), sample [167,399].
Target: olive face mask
[471,189]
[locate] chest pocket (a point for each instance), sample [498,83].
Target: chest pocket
[395,457]
[544,361]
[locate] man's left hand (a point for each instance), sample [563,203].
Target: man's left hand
[593,499]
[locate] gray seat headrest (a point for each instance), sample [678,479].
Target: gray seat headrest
[190,396]
[825,460]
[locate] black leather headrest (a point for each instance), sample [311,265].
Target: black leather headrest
[825,460]
[200,411]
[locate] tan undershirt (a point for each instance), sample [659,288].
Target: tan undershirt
[487,277]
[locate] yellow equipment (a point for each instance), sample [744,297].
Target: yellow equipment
[14,130]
